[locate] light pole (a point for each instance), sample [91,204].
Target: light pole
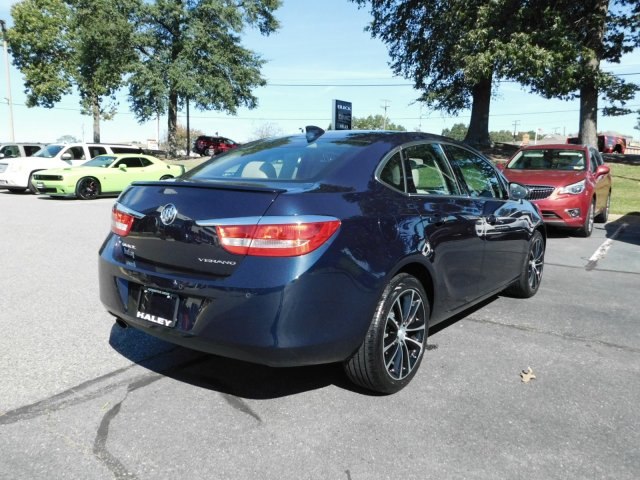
[9,101]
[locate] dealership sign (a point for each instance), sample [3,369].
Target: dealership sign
[341,115]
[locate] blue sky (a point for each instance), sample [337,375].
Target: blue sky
[321,44]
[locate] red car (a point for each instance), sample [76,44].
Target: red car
[205,145]
[569,184]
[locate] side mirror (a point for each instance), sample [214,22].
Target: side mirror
[518,191]
[66,156]
[122,167]
[602,170]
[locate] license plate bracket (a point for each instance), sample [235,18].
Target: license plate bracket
[158,306]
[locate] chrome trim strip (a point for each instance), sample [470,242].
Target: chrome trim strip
[275,220]
[129,211]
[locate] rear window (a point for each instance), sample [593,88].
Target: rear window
[282,159]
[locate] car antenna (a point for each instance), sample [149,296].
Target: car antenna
[313,133]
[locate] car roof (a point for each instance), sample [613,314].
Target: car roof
[392,137]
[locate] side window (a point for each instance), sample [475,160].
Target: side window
[10,151]
[478,174]
[30,149]
[430,172]
[145,162]
[596,159]
[391,173]
[77,153]
[130,162]
[95,151]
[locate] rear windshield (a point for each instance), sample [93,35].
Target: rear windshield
[548,159]
[283,159]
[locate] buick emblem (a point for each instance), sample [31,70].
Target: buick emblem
[168,214]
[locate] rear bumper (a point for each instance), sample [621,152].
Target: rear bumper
[319,316]
[13,180]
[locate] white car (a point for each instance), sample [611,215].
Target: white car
[16,173]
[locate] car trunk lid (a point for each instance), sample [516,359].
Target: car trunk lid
[174,226]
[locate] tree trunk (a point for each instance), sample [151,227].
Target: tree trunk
[478,132]
[588,133]
[594,37]
[172,123]
[95,111]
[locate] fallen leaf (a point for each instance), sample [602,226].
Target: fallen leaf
[527,375]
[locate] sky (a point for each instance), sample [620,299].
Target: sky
[320,53]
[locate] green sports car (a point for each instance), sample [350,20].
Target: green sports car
[103,175]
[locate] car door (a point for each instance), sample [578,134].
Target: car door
[602,182]
[502,224]
[448,227]
[125,171]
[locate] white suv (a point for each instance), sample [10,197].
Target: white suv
[15,173]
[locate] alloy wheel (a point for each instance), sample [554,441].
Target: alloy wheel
[405,330]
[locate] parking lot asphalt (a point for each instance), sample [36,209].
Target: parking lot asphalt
[83,399]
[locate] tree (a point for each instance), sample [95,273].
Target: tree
[458,132]
[451,50]
[266,130]
[375,122]
[567,43]
[192,51]
[62,44]
[67,139]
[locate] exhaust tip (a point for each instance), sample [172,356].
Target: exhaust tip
[121,323]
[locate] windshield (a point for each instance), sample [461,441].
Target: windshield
[280,159]
[99,161]
[548,159]
[49,151]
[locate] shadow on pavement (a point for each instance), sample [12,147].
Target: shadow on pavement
[625,229]
[225,375]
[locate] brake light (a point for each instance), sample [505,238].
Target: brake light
[276,240]
[121,222]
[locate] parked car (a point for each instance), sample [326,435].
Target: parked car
[13,150]
[16,173]
[205,145]
[570,184]
[344,246]
[103,175]
[606,143]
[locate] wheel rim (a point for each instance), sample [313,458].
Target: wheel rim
[88,188]
[404,334]
[536,262]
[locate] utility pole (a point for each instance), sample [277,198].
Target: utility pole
[385,107]
[9,101]
[515,129]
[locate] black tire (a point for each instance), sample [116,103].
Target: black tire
[392,351]
[587,227]
[16,190]
[88,188]
[603,216]
[529,281]
[31,186]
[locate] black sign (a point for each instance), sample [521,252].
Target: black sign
[341,115]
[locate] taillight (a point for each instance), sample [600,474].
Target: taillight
[121,222]
[276,239]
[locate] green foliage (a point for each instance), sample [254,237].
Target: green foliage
[192,50]
[375,122]
[458,132]
[61,44]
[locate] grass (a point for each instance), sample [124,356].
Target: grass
[625,197]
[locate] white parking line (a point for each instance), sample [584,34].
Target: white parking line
[602,250]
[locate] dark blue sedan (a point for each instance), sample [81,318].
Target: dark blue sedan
[339,246]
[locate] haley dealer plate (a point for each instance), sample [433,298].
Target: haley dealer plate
[158,307]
